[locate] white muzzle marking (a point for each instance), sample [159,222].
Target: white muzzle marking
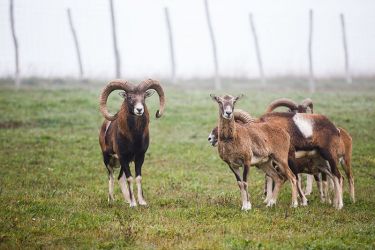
[138,109]
[228,113]
[304,125]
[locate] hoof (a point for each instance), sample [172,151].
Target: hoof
[294,204]
[339,206]
[246,206]
[110,200]
[305,202]
[266,200]
[133,204]
[271,203]
[142,203]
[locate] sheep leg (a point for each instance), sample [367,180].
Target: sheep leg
[346,165]
[293,181]
[327,177]
[319,184]
[269,188]
[245,174]
[299,180]
[246,205]
[124,188]
[300,190]
[125,169]
[274,179]
[336,183]
[337,179]
[326,193]
[138,179]
[294,169]
[265,185]
[309,184]
[107,163]
[332,166]
[110,184]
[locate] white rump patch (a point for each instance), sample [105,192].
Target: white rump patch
[304,125]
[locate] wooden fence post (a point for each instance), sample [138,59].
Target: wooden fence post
[214,52]
[114,35]
[74,34]
[257,49]
[17,79]
[311,70]
[345,47]
[171,46]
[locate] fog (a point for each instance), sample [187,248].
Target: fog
[47,48]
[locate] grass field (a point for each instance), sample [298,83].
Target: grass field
[53,185]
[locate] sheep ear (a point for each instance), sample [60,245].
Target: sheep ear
[238,97]
[122,94]
[149,93]
[214,97]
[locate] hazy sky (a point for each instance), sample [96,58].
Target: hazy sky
[47,48]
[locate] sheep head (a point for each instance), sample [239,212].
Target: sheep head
[239,116]
[305,105]
[213,137]
[134,97]
[226,104]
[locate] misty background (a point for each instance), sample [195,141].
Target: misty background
[47,48]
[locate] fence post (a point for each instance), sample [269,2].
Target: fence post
[171,46]
[17,79]
[74,34]
[114,35]
[311,70]
[214,52]
[257,49]
[345,47]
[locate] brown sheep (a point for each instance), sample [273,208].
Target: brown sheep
[254,143]
[124,137]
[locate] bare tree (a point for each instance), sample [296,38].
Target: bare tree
[75,42]
[171,46]
[114,35]
[345,47]
[15,42]
[214,52]
[311,70]
[257,49]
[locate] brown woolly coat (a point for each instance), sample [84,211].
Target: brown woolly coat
[239,143]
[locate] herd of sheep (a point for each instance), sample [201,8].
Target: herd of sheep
[282,144]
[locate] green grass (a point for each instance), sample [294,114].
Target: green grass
[53,185]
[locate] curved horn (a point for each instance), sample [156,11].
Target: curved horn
[282,102]
[111,86]
[242,116]
[152,84]
[308,103]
